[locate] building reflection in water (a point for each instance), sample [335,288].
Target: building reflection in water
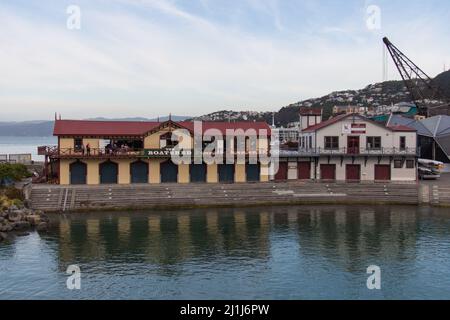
[346,235]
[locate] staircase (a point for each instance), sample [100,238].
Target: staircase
[72,198]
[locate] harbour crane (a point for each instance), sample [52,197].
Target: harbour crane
[421,87]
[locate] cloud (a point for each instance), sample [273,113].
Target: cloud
[153,57]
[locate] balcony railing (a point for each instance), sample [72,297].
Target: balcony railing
[55,152]
[350,152]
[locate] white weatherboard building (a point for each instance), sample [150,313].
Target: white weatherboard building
[351,147]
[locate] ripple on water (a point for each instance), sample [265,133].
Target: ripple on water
[252,253]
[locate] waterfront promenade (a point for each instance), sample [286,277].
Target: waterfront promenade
[57,198]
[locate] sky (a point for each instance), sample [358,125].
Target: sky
[149,58]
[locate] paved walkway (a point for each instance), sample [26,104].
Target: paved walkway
[443,181]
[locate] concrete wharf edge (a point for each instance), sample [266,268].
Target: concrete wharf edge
[79,198]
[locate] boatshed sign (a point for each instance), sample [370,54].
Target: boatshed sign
[354,128]
[164,153]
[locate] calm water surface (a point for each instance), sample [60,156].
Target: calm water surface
[257,253]
[18,145]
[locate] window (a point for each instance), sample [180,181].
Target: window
[402,143]
[410,164]
[331,143]
[78,144]
[373,143]
[251,144]
[310,142]
[398,164]
[303,142]
[166,141]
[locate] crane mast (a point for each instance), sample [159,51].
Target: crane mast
[420,86]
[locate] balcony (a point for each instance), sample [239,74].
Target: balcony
[55,152]
[102,153]
[316,152]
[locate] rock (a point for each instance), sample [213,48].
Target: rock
[43,226]
[33,219]
[23,234]
[44,218]
[6,228]
[15,215]
[27,203]
[13,208]
[3,236]
[1,220]
[21,225]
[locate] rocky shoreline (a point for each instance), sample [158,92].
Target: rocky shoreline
[15,221]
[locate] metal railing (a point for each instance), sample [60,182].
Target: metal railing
[351,151]
[54,151]
[89,152]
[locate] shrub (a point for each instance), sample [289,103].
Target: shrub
[13,171]
[13,193]
[17,202]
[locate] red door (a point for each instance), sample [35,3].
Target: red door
[328,171]
[353,172]
[282,173]
[382,172]
[304,170]
[353,145]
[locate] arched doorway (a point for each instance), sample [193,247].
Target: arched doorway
[253,172]
[78,172]
[226,173]
[197,172]
[139,172]
[169,172]
[108,172]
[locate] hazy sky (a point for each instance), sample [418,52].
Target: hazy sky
[190,57]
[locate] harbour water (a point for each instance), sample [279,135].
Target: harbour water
[19,145]
[299,252]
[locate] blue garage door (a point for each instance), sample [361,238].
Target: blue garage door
[108,172]
[78,173]
[169,172]
[226,173]
[139,172]
[197,172]
[252,172]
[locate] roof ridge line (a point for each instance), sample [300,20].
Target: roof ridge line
[437,126]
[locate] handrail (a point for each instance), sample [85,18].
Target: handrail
[354,151]
[109,152]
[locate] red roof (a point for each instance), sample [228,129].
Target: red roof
[102,128]
[140,128]
[223,126]
[340,117]
[305,111]
[325,123]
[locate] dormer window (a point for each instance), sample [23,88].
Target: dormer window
[165,141]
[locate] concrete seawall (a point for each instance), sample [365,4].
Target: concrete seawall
[52,198]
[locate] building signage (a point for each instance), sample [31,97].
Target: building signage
[354,128]
[162,153]
[166,152]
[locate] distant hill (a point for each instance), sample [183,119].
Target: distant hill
[165,118]
[443,81]
[379,94]
[45,128]
[26,128]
